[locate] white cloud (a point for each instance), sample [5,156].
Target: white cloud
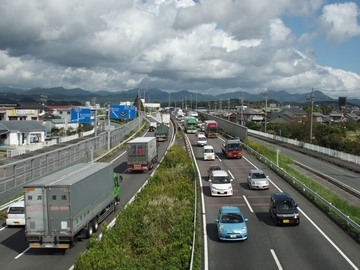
[212,46]
[340,21]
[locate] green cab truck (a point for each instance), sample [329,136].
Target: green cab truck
[69,204]
[162,133]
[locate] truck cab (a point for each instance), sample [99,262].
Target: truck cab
[232,148]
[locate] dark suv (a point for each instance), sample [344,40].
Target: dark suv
[283,209]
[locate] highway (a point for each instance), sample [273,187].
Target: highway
[317,243]
[14,250]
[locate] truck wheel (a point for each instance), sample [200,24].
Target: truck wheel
[96,225]
[89,230]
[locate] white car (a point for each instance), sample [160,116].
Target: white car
[220,183]
[201,140]
[209,153]
[257,179]
[15,215]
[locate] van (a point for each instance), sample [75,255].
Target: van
[220,183]
[209,153]
[283,209]
[15,215]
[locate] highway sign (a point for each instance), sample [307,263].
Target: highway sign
[80,115]
[122,112]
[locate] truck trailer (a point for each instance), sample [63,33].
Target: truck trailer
[141,153]
[166,119]
[211,129]
[69,204]
[161,134]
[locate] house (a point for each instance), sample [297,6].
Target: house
[288,115]
[21,111]
[60,123]
[21,132]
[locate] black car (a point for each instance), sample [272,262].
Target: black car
[283,209]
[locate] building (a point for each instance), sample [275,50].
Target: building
[21,111]
[21,132]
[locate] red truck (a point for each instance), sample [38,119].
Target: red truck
[211,129]
[232,149]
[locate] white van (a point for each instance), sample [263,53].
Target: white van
[209,153]
[220,183]
[15,215]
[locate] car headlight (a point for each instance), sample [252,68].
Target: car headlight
[221,229]
[296,215]
[244,230]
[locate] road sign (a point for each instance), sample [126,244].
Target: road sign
[91,147]
[80,115]
[122,112]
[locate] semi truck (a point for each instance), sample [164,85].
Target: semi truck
[161,134]
[232,148]
[166,119]
[190,125]
[69,204]
[141,153]
[211,129]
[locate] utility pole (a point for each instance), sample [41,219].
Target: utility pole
[311,98]
[196,101]
[242,110]
[265,93]
[229,110]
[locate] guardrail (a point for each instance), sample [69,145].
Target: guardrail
[305,190]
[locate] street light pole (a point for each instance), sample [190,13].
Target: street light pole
[108,124]
[311,98]
[169,99]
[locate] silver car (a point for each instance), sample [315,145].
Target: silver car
[257,179]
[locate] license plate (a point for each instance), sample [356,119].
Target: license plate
[232,235]
[16,223]
[285,221]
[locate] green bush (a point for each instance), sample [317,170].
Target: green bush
[156,230]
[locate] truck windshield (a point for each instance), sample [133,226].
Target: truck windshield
[234,146]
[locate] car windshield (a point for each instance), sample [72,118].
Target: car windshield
[202,139]
[286,205]
[258,176]
[215,168]
[16,210]
[231,218]
[208,151]
[221,180]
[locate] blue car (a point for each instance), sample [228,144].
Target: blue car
[231,224]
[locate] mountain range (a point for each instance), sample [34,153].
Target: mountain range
[78,95]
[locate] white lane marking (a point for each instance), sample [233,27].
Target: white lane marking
[22,253]
[329,240]
[318,229]
[276,259]
[231,175]
[3,228]
[248,204]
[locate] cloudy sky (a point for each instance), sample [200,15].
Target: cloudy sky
[208,46]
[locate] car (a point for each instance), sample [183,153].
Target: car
[283,209]
[148,115]
[257,179]
[231,224]
[214,167]
[201,140]
[15,214]
[209,153]
[220,183]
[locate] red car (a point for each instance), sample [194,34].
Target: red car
[214,167]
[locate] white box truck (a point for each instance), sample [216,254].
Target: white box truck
[141,153]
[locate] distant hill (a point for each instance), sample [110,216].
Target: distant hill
[78,95]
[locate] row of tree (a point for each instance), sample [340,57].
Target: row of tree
[344,136]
